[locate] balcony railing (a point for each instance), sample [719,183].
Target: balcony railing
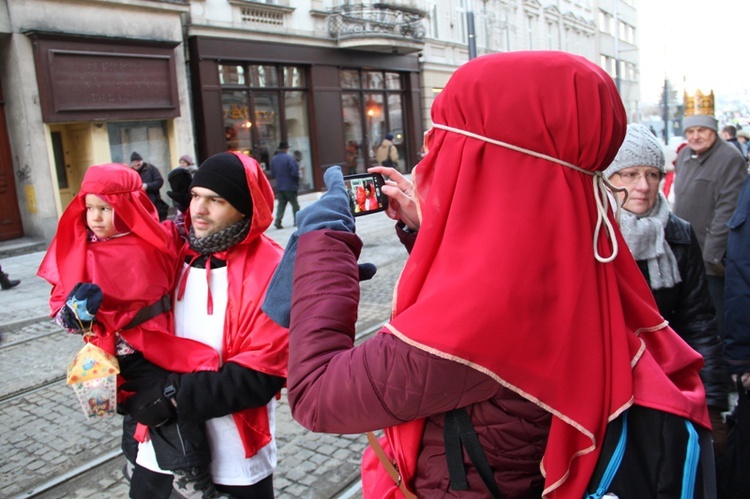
[400,22]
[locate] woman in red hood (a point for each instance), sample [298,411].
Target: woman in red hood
[519,301]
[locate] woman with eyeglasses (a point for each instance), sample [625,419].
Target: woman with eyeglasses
[667,252]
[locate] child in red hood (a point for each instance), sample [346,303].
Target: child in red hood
[112,254]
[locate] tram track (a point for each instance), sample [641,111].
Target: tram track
[9,397]
[107,466]
[59,481]
[15,343]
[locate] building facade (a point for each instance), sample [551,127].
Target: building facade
[617,46]
[84,82]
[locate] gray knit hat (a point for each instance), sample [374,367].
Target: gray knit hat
[640,148]
[700,120]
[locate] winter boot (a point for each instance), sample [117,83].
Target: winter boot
[6,282]
[196,483]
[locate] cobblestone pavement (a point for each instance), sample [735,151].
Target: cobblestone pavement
[43,434]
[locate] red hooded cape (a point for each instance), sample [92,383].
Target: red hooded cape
[505,253]
[251,338]
[133,270]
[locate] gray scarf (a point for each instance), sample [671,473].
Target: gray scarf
[645,237]
[222,240]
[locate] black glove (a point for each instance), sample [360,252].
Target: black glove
[135,366]
[81,306]
[366,271]
[179,180]
[153,402]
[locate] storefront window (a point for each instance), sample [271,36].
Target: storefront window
[266,106]
[396,124]
[295,106]
[393,81]
[237,123]
[376,125]
[264,76]
[353,132]
[373,79]
[350,79]
[147,138]
[231,75]
[260,113]
[370,112]
[294,77]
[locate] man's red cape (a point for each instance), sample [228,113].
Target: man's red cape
[251,338]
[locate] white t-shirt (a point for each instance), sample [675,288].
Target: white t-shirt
[229,466]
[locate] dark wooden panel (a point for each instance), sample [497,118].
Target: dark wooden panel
[11,226]
[326,119]
[89,81]
[84,80]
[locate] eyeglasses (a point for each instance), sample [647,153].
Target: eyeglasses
[630,178]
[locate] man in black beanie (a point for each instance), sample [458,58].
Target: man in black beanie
[229,262]
[152,182]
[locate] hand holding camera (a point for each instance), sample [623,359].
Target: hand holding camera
[401,197]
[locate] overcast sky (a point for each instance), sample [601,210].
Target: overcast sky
[706,42]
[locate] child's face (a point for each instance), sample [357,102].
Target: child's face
[99,216]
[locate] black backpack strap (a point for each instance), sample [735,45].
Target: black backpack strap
[453,452]
[164,304]
[459,432]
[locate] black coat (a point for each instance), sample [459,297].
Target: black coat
[152,178]
[737,287]
[689,309]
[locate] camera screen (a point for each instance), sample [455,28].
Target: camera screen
[364,195]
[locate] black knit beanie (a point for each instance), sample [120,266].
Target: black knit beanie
[224,174]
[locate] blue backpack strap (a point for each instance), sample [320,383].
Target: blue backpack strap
[614,462]
[692,457]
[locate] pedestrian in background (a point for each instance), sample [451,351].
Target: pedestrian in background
[186,161]
[668,254]
[387,154]
[152,182]
[729,133]
[708,178]
[6,282]
[527,316]
[743,136]
[285,169]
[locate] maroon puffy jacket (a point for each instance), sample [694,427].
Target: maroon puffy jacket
[334,387]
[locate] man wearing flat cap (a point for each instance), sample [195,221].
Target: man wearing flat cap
[152,182]
[226,266]
[708,178]
[285,169]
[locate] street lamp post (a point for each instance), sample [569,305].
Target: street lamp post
[617,45]
[665,110]
[470,29]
